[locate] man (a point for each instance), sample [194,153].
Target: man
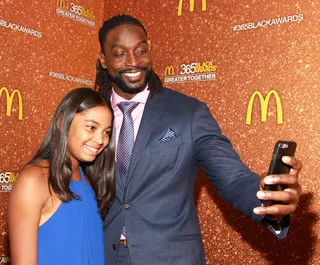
[153,220]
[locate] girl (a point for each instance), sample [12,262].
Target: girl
[58,199]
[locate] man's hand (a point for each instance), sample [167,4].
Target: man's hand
[286,200]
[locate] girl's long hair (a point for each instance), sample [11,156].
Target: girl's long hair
[100,172]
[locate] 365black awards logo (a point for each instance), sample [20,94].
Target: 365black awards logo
[190,72]
[75,12]
[7,180]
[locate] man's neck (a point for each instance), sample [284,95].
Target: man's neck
[124,95]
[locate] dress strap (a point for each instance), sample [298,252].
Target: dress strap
[83,178]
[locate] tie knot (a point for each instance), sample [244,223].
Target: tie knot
[127,106]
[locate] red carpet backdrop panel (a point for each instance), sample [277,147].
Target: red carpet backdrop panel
[255,63]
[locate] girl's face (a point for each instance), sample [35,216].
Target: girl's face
[89,134]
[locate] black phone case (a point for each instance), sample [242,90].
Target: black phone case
[282,148]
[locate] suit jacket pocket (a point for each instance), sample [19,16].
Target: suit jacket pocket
[165,145]
[188,237]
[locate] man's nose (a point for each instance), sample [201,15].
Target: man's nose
[132,60]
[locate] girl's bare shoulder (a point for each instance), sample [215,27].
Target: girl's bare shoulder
[33,180]
[38,170]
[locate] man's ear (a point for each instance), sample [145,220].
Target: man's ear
[102,60]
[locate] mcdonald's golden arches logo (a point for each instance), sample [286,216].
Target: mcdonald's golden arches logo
[169,70]
[264,103]
[9,98]
[61,4]
[191,8]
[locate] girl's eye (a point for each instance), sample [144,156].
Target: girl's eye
[91,128]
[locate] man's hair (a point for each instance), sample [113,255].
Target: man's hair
[103,83]
[115,22]
[54,149]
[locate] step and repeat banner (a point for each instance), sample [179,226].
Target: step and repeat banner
[255,63]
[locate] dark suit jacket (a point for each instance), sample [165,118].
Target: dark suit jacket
[157,205]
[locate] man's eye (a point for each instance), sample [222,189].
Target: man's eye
[118,54]
[142,51]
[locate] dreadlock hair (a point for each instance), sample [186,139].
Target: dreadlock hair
[54,149]
[103,83]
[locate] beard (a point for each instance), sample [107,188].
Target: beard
[119,81]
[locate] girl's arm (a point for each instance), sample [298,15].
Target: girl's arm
[26,201]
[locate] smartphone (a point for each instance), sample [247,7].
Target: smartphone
[282,148]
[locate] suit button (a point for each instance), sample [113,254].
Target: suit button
[126,206]
[114,246]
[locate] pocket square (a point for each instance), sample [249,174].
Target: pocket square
[167,136]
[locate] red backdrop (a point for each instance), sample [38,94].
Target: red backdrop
[220,52]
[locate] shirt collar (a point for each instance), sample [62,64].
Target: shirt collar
[141,97]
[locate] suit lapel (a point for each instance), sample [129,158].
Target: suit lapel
[150,118]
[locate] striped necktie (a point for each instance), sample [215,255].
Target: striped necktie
[126,139]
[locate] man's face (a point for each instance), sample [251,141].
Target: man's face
[127,59]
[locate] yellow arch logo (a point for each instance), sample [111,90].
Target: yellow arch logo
[191,8]
[61,4]
[169,70]
[264,103]
[10,98]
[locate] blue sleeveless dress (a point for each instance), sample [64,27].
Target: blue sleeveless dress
[74,233]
